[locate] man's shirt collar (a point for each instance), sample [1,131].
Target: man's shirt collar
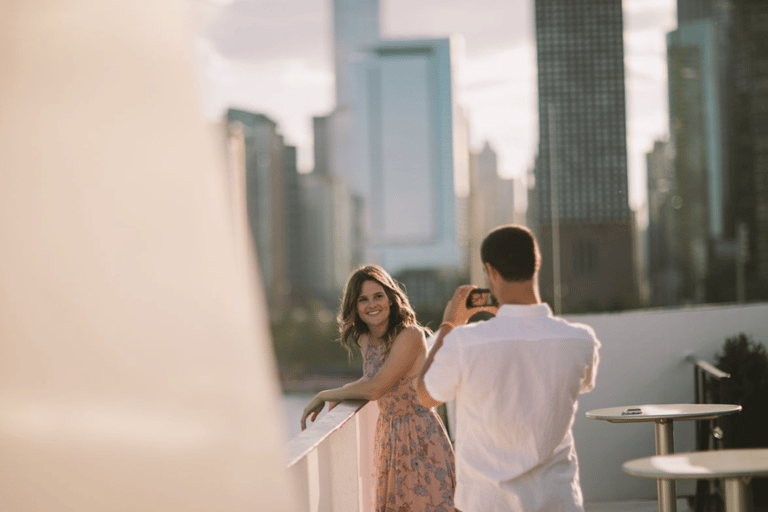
[519,311]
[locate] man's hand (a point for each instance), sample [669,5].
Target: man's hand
[456,312]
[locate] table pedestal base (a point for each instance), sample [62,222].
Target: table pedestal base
[665,445]
[736,494]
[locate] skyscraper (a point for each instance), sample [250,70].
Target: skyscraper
[664,263]
[394,139]
[491,204]
[295,246]
[718,98]
[696,137]
[406,122]
[704,29]
[696,110]
[749,157]
[271,188]
[332,218]
[695,10]
[582,157]
[356,27]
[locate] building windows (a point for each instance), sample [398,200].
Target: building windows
[582,76]
[585,257]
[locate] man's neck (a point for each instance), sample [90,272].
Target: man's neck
[524,293]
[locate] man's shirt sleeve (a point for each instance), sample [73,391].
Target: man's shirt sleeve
[442,378]
[588,382]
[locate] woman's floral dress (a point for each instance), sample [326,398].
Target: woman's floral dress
[413,455]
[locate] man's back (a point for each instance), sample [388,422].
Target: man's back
[517,380]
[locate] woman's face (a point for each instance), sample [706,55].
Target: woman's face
[373,304]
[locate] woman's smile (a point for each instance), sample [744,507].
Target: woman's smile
[373,303]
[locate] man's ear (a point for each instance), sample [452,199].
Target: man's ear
[492,272]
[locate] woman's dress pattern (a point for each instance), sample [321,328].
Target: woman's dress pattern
[414,457]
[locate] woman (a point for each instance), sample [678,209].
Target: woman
[414,458]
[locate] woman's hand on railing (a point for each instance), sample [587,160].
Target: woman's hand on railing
[313,408]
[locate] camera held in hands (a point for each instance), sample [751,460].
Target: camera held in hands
[482,304]
[481,297]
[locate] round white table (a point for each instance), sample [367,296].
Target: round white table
[662,416]
[735,467]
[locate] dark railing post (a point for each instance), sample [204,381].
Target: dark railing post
[710,385]
[702,428]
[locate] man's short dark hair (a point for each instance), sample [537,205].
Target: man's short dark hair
[512,251]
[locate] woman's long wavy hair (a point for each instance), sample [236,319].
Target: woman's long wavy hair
[401,313]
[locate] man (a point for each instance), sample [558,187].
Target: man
[516,379]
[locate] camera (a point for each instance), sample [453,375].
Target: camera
[481,297]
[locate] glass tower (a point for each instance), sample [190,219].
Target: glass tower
[581,172]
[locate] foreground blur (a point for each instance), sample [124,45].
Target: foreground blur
[135,366]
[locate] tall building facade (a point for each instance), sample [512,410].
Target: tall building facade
[696,185]
[295,247]
[695,10]
[697,70]
[664,264]
[749,158]
[497,195]
[696,107]
[491,204]
[332,230]
[394,139]
[581,175]
[271,191]
[356,28]
[406,161]
[704,32]
[718,100]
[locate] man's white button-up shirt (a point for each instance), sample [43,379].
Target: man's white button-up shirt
[516,379]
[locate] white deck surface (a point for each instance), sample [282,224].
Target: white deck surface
[632,506]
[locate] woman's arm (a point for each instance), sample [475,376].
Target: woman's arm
[418,382]
[405,350]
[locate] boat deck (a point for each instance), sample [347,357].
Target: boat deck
[633,506]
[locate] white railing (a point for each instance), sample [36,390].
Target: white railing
[332,460]
[643,360]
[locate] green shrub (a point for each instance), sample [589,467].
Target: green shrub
[747,362]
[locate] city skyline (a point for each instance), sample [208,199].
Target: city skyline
[277,59]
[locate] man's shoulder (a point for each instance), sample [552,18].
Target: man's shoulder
[576,328]
[564,329]
[553,327]
[511,328]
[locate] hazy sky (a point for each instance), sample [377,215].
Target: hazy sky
[274,57]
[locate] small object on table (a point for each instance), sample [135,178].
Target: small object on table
[662,416]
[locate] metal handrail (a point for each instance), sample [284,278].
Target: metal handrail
[714,371]
[709,433]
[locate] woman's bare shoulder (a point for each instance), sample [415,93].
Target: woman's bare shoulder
[411,341]
[412,333]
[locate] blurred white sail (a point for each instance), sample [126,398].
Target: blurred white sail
[136,370]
